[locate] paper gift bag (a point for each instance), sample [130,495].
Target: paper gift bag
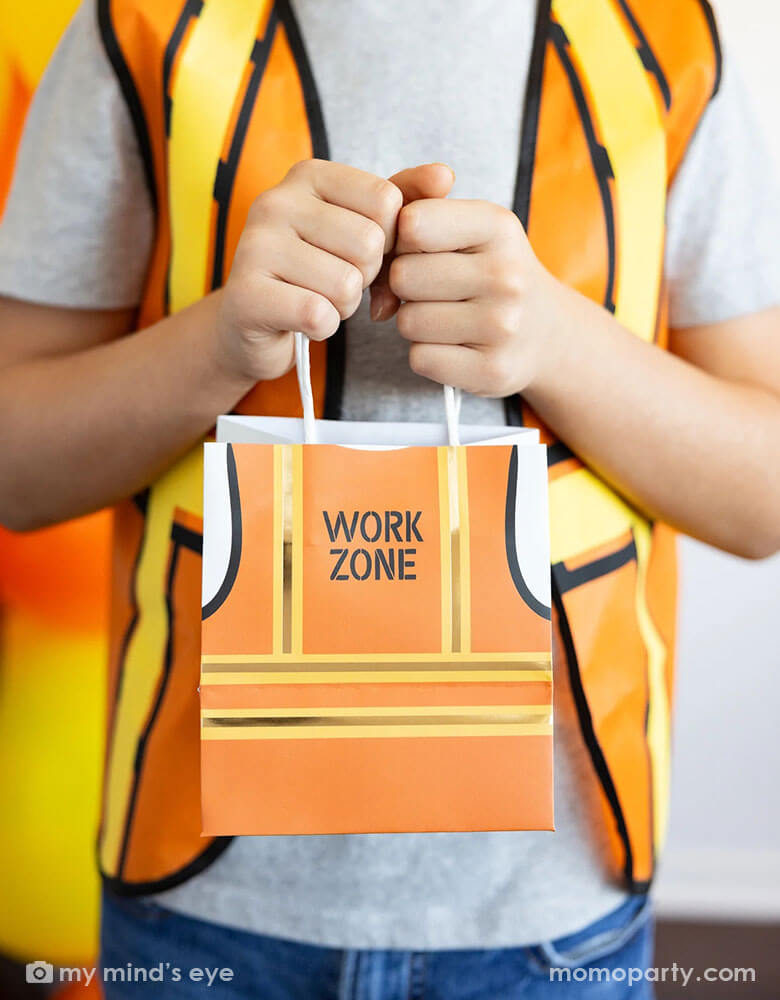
[376,628]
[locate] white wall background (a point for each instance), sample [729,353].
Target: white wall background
[723,855]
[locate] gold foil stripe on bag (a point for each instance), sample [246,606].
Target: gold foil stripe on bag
[411,664]
[455,547]
[445,552]
[379,723]
[464,551]
[387,713]
[455,561]
[278,553]
[296,587]
[287,545]
[368,720]
[396,659]
[433,718]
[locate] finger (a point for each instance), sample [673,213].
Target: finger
[309,267]
[436,225]
[343,233]
[437,277]
[462,367]
[429,180]
[449,323]
[270,305]
[359,191]
[384,303]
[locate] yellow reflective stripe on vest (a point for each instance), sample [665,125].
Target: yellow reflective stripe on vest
[659,724]
[144,658]
[202,96]
[629,121]
[584,512]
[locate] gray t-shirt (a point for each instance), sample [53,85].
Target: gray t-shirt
[77,232]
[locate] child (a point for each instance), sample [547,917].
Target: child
[198,180]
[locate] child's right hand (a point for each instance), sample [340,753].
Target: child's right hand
[309,248]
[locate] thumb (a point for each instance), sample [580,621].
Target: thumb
[429,180]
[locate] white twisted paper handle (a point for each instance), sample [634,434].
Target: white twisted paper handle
[452,397]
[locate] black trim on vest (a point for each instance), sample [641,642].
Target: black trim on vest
[227,169]
[234,561]
[129,92]
[598,154]
[521,201]
[589,733]
[187,538]
[336,363]
[558,452]
[320,149]
[646,54]
[712,24]
[319,139]
[191,9]
[568,579]
[141,501]
[530,128]
[199,863]
[513,411]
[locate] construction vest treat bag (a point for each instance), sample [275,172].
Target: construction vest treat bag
[376,627]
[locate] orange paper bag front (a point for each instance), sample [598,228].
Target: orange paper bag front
[376,639]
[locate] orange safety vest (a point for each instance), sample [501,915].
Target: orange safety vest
[224,101]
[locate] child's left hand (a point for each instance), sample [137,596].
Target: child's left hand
[476,302]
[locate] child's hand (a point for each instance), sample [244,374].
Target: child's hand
[309,247]
[476,301]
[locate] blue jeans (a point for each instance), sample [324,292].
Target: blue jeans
[229,964]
